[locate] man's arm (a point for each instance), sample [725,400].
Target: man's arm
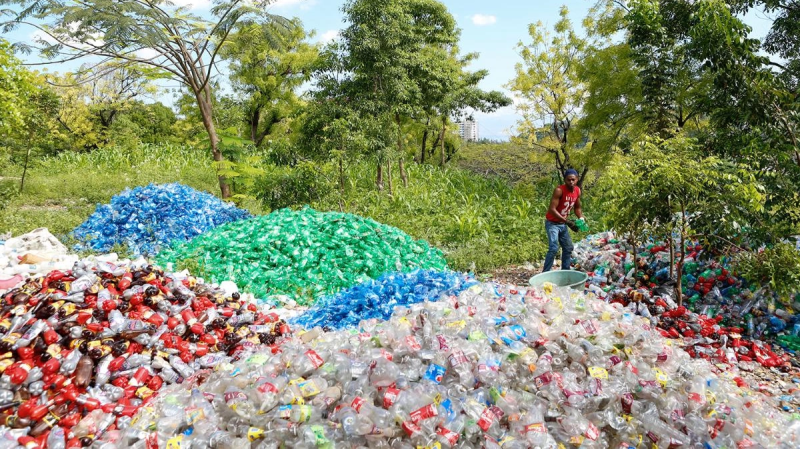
[554,204]
[578,210]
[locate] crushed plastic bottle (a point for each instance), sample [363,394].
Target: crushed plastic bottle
[303,254]
[378,298]
[496,367]
[82,350]
[722,319]
[146,219]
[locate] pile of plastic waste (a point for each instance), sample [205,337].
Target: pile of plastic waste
[376,299]
[146,219]
[303,254]
[36,252]
[495,367]
[722,318]
[100,340]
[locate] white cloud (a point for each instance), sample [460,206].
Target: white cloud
[193,4]
[483,19]
[304,4]
[147,53]
[328,36]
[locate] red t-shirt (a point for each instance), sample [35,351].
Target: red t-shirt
[566,203]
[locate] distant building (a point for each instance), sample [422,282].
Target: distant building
[468,130]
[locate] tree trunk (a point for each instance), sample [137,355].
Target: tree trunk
[403,174]
[206,110]
[444,131]
[254,119]
[389,176]
[583,176]
[379,177]
[671,257]
[424,144]
[25,167]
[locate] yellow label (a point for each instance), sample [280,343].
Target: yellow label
[548,288]
[606,316]
[598,372]
[254,433]
[194,415]
[710,397]
[435,445]
[175,442]
[405,321]
[308,388]
[661,376]
[557,300]
[296,381]
[438,399]
[577,440]
[459,324]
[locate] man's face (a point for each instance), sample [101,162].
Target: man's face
[571,181]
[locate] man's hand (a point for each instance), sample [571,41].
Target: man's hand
[571,224]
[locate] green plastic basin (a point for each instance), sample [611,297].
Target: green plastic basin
[562,278]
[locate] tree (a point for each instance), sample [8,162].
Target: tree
[667,187]
[16,86]
[551,92]
[451,91]
[150,32]
[371,68]
[268,64]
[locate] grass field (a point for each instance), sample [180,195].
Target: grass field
[481,223]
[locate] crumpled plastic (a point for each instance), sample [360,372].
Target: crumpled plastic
[35,252]
[722,318]
[302,254]
[376,299]
[496,367]
[146,219]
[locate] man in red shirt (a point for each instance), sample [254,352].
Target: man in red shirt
[565,197]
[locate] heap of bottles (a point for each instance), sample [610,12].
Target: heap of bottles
[722,317]
[495,367]
[100,340]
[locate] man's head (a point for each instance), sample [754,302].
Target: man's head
[571,178]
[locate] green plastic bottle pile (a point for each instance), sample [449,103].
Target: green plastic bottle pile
[302,254]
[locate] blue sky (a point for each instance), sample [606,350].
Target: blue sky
[491,29]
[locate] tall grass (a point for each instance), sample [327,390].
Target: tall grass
[480,223]
[61,191]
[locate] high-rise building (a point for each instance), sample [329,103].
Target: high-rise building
[468,130]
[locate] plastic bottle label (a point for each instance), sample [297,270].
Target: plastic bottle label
[316,360]
[254,433]
[661,377]
[435,373]
[598,372]
[486,419]
[357,403]
[592,432]
[175,442]
[308,388]
[535,427]
[457,358]
[447,434]
[390,397]
[267,387]
[410,428]
[412,343]
[429,411]
[442,343]
[319,436]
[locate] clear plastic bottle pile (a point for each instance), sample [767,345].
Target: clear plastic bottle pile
[494,367]
[718,306]
[82,350]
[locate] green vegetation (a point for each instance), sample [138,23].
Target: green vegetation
[63,190]
[678,90]
[479,223]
